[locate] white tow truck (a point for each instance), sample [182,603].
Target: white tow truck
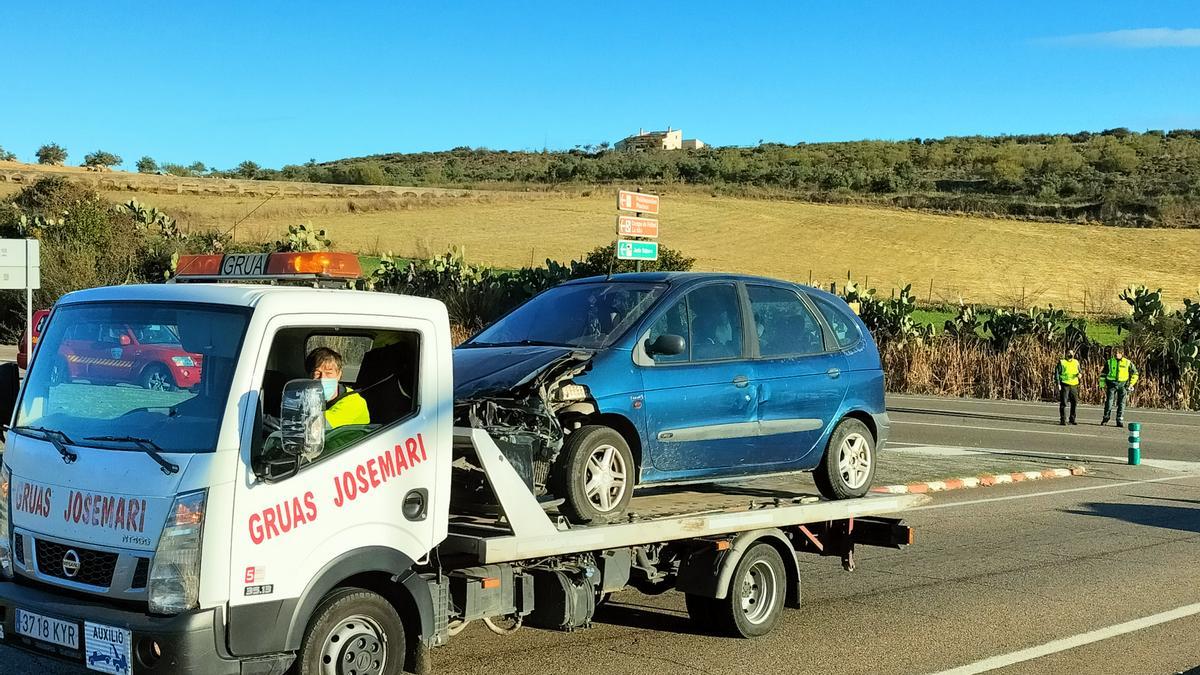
[226,528]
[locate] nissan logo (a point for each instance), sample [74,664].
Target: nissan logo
[70,563]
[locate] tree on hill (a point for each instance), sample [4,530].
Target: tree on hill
[147,165]
[6,156]
[52,154]
[247,169]
[197,168]
[101,158]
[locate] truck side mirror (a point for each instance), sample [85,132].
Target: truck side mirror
[666,345]
[10,385]
[302,419]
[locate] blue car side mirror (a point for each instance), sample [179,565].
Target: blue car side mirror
[666,345]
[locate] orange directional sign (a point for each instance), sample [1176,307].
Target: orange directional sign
[636,201]
[628,226]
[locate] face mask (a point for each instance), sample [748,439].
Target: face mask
[330,386]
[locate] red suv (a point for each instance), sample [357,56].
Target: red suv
[147,354]
[39,323]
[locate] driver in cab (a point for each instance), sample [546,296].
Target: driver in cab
[342,405]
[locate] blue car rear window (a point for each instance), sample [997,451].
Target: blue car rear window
[839,318]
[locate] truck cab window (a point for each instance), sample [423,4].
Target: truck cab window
[369,378]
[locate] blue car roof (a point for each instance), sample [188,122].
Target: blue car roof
[670,277]
[683,278]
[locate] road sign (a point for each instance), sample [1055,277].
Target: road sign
[14,272]
[628,226]
[628,249]
[636,201]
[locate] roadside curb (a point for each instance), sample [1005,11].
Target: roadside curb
[985,480]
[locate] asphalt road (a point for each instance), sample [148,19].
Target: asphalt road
[1095,574]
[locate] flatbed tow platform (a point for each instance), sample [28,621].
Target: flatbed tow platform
[523,530]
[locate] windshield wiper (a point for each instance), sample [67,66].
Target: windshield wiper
[57,438]
[145,445]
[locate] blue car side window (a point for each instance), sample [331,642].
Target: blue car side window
[673,322]
[844,328]
[784,323]
[715,320]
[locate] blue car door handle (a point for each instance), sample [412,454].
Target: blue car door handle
[833,373]
[741,381]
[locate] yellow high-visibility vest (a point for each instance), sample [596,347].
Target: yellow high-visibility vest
[1068,372]
[1120,371]
[347,410]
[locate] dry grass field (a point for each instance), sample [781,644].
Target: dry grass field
[978,259]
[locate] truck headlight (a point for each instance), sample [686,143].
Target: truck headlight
[6,561]
[174,584]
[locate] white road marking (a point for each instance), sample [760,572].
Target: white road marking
[1015,431]
[1062,645]
[960,451]
[1052,492]
[1042,404]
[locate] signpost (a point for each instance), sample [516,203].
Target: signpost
[628,226]
[21,267]
[636,226]
[637,202]
[632,249]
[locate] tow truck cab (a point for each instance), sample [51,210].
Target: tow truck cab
[170,529]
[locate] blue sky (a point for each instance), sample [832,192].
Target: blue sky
[221,82]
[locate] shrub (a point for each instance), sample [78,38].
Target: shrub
[602,260]
[302,238]
[6,156]
[52,153]
[247,169]
[147,165]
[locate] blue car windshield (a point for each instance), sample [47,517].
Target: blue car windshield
[92,383]
[591,315]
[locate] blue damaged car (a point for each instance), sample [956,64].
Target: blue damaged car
[600,385]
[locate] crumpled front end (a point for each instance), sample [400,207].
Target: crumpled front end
[524,420]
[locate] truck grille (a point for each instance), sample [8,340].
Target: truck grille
[95,567]
[19,548]
[140,572]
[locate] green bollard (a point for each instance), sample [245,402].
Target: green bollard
[1135,443]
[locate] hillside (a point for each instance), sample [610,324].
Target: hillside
[987,260]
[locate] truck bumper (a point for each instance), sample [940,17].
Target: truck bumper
[883,427]
[192,642]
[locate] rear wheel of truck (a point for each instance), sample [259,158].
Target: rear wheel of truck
[353,632]
[754,601]
[594,474]
[848,467]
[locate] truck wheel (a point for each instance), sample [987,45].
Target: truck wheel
[848,467]
[594,474]
[353,632]
[157,378]
[754,601]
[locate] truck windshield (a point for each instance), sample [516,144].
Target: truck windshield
[592,315]
[154,371]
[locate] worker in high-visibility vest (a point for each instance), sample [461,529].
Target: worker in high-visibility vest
[342,404]
[1120,376]
[1068,385]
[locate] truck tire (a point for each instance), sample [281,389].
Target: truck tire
[353,630]
[594,475]
[156,377]
[755,598]
[848,466]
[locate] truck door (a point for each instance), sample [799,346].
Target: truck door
[800,380]
[700,405]
[375,490]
